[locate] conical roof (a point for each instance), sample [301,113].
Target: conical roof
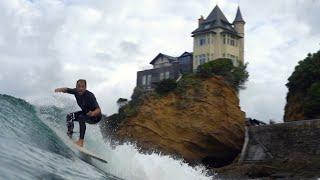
[216,19]
[216,15]
[238,17]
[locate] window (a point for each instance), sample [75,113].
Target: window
[144,80]
[202,59]
[167,75]
[232,42]
[161,76]
[149,79]
[202,41]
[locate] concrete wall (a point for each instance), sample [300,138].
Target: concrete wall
[278,141]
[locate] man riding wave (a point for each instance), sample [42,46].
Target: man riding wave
[90,110]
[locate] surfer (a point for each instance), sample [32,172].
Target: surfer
[90,111]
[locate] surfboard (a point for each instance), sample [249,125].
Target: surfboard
[87,152]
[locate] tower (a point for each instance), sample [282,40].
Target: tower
[216,38]
[238,24]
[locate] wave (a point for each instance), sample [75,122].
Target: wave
[33,146]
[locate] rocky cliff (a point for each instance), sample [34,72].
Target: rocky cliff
[204,125]
[303,98]
[294,107]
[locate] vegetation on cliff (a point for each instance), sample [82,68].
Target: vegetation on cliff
[303,98]
[236,76]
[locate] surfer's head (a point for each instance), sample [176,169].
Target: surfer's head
[81,86]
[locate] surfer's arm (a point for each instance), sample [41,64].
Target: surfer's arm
[65,90]
[95,113]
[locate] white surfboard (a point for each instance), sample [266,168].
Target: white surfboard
[86,152]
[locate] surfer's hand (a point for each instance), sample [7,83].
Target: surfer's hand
[60,90]
[90,113]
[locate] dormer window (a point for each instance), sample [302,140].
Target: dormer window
[207,26]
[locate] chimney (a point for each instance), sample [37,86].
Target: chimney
[200,20]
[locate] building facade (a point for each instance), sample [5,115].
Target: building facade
[216,38]
[164,67]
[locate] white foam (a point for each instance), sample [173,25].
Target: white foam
[125,161]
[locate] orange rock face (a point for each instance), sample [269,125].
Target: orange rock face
[293,109]
[205,125]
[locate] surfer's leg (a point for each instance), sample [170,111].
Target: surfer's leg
[83,119]
[82,125]
[70,125]
[92,120]
[69,121]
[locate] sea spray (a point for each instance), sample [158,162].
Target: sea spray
[125,160]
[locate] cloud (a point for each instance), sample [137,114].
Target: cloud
[50,43]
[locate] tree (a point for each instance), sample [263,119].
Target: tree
[306,80]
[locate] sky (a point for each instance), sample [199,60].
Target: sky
[45,44]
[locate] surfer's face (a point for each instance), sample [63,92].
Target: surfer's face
[81,87]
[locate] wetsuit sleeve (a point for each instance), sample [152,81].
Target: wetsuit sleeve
[71,91]
[94,102]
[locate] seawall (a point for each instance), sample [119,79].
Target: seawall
[281,141]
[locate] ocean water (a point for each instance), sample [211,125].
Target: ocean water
[34,145]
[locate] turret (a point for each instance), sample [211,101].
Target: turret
[239,23]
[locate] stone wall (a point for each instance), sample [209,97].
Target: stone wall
[281,141]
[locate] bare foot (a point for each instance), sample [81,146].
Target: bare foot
[80,142]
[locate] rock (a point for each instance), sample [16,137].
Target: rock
[293,109]
[206,125]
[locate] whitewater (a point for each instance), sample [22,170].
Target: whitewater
[34,145]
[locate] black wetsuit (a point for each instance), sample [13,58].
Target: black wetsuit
[87,102]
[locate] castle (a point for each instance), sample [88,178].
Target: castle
[214,38]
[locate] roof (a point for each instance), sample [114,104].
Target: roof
[186,54]
[238,17]
[216,14]
[216,19]
[170,58]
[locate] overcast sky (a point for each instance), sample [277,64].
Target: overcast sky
[46,44]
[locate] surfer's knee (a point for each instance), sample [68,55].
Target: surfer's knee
[70,117]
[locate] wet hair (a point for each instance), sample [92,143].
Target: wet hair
[82,81]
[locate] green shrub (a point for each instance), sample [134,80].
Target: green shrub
[187,82]
[137,96]
[221,66]
[128,109]
[236,76]
[165,86]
